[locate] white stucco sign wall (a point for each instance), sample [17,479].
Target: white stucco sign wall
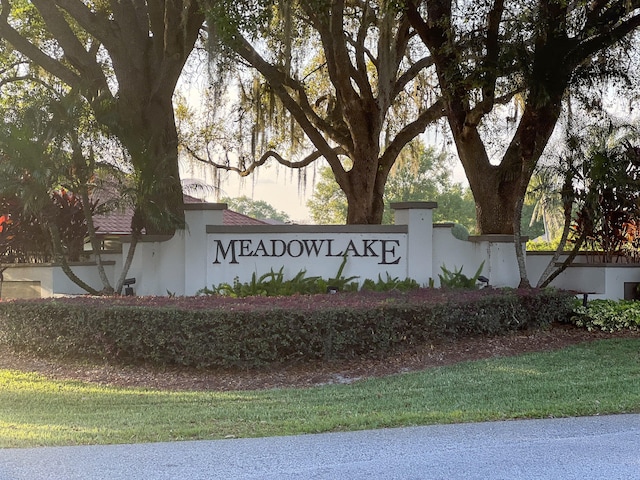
[319,250]
[209,253]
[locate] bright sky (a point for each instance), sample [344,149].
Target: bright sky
[274,184]
[279,186]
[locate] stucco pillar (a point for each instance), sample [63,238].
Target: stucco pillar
[198,216]
[501,264]
[418,216]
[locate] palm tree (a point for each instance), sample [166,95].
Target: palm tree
[600,191]
[544,190]
[34,160]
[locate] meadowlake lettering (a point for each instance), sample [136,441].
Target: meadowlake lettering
[385,250]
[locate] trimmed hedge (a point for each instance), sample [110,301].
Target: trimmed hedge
[221,332]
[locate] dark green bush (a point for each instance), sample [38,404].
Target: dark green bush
[254,332]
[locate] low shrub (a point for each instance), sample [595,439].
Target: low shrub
[221,331]
[608,315]
[391,283]
[456,279]
[274,284]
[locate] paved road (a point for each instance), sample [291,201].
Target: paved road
[606,447]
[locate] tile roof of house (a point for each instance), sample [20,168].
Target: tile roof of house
[229,217]
[119,222]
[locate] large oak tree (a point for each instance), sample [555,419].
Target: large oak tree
[124,57]
[351,75]
[490,49]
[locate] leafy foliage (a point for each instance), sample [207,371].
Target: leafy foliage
[608,315]
[255,208]
[318,72]
[543,246]
[609,217]
[213,331]
[389,284]
[530,55]
[457,279]
[24,239]
[44,168]
[592,183]
[273,284]
[420,174]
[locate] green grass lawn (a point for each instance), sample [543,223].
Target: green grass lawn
[594,378]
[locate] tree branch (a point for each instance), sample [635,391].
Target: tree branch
[358,44]
[599,16]
[74,51]
[491,58]
[27,78]
[243,172]
[411,131]
[303,114]
[330,27]
[475,114]
[182,22]
[33,53]
[391,49]
[606,37]
[412,72]
[92,22]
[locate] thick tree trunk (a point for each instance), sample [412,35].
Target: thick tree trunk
[152,142]
[495,204]
[498,188]
[364,184]
[368,213]
[367,76]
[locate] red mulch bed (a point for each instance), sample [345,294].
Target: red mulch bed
[309,374]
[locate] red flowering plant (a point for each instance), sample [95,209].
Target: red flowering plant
[24,239]
[71,222]
[609,219]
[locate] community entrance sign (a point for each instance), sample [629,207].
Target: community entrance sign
[385,250]
[239,252]
[209,253]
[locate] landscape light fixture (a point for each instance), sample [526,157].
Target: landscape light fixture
[128,291]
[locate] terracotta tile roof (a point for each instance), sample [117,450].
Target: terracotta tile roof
[115,223]
[119,222]
[229,217]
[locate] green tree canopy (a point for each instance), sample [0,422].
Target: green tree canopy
[488,51]
[421,174]
[599,193]
[255,208]
[40,151]
[346,80]
[125,59]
